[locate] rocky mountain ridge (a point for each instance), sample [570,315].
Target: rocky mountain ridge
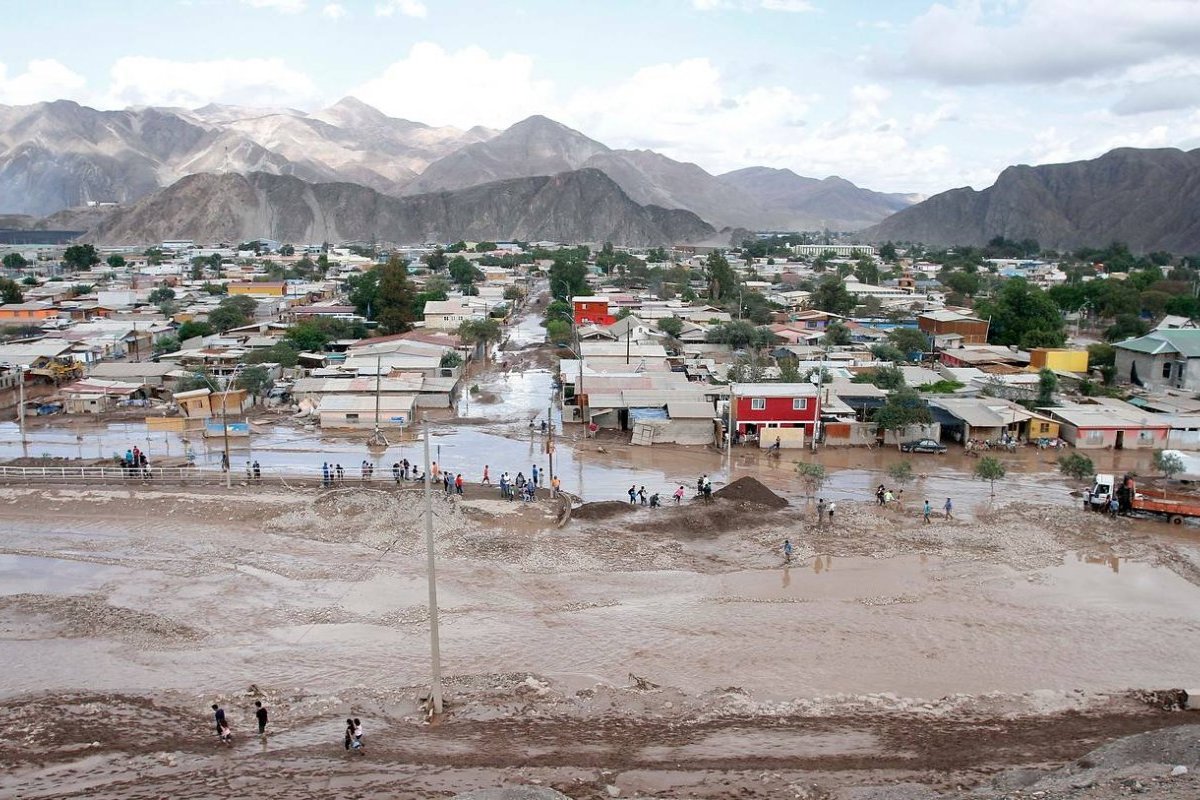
[577,206]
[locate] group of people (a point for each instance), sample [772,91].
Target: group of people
[253,472]
[518,486]
[639,496]
[353,738]
[451,482]
[135,462]
[225,733]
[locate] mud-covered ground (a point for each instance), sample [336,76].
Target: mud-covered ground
[628,652]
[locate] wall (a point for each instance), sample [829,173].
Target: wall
[931,431]
[1178,439]
[1064,360]
[1104,438]
[789,438]
[850,434]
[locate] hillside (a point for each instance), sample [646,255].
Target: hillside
[799,203]
[577,206]
[1146,198]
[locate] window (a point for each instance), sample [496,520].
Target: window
[799,403]
[351,417]
[1145,437]
[758,403]
[1094,437]
[1167,370]
[1043,427]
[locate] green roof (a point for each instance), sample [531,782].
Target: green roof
[1184,342]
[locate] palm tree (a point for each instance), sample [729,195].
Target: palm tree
[479,332]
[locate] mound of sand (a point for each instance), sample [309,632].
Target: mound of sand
[751,492]
[604,509]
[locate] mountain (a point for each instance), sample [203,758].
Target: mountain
[577,206]
[1146,198]
[800,203]
[62,155]
[533,146]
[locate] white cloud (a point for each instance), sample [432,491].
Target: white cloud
[1043,41]
[464,88]
[407,8]
[43,79]
[793,6]
[282,6]
[139,80]
[334,11]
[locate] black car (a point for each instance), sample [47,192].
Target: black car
[923,446]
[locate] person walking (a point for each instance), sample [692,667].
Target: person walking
[633,495]
[260,714]
[396,471]
[787,551]
[926,511]
[948,508]
[349,740]
[447,481]
[679,495]
[458,484]
[831,508]
[642,495]
[224,733]
[341,473]
[821,513]
[257,473]
[325,475]
[533,475]
[358,735]
[487,479]
[707,489]
[879,494]
[555,486]
[364,470]
[218,717]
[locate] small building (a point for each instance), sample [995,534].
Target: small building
[1162,359]
[258,288]
[27,312]
[94,396]
[447,315]
[357,411]
[972,329]
[760,407]
[1105,423]
[593,310]
[1058,360]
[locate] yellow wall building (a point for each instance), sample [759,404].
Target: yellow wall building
[1062,360]
[263,288]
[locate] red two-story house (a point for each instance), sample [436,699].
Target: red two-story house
[592,310]
[761,406]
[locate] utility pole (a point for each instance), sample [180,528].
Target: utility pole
[628,335]
[225,428]
[550,440]
[21,401]
[435,654]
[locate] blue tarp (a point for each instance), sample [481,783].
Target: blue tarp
[647,414]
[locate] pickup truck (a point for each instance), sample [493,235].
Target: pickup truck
[1174,506]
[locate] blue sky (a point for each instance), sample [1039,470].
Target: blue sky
[896,96]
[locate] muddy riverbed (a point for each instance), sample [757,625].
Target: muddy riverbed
[672,647]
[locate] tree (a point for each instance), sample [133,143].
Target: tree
[1023,315]
[287,251]
[190,330]
[904,407]
[394,298]
[1076,465]
[888,252]
[1168,463]
[831,295]
[908,340]
[719,275]
[309,336]
[463,272]
[115,261]
[82,289]
[513,293]
[671,326]
[226,316]
[363,292]
[80,256]
[966,283]
[568,277]
[901,472]
[989,469]
[436,260]
[887,378]
[281,353]
[558,331]
[15,261]
[451,358]
[161,295]
[836,334]
[1126,326]
[480,332]
[255,380]
[10,291]
[740,334]
[1047,386]
[166,344]
[888,352]
[811,475]
[485,247]
[154,256]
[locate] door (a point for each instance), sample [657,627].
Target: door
[1120,445]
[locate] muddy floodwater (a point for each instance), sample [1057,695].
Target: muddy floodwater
[158,594]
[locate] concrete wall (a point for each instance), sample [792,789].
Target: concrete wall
[850,434]
[931,431]
[1178,439]
[1102,439]
[789,438]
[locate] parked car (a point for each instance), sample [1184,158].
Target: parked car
[923,446]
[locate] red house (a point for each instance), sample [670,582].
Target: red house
[761,406]
[592,310]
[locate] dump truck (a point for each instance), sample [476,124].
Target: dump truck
[1175,507]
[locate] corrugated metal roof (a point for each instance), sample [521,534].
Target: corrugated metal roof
[690,409]
[1185,342]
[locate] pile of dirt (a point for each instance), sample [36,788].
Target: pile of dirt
[605,509]
[751,492]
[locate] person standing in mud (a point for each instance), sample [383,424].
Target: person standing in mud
[641,494]
[821,513]
[926,511]
[218,717]
[707,489]
[487,479]
[458,484]
[260,714]
[533,475]
[787,551]
[257,473]
[949,508]
[678,494]
[325,475]
[832,507]
[341,473]
[632,495]
[396,471]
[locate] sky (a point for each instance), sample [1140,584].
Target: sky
[895,95]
